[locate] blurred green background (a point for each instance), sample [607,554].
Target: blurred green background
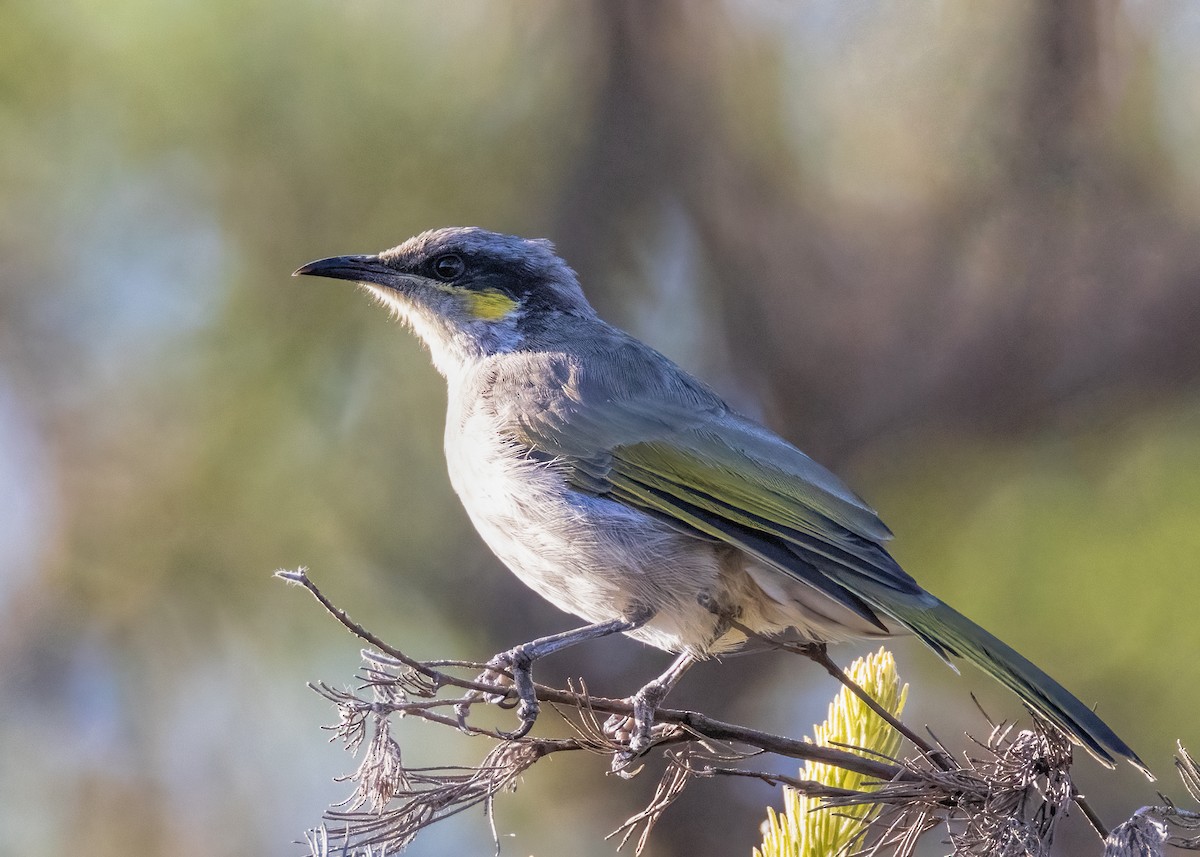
[950,249]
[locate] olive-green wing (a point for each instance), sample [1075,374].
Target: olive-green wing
[707,475]
[643,433]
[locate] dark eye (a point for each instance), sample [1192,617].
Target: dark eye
[448,267]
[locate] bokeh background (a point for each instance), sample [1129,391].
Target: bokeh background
[950,249]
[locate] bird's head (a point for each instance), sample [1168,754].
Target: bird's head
[465,291]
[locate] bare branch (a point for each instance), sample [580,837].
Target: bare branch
[1008,801]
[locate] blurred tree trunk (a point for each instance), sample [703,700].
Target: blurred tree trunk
[1063,277]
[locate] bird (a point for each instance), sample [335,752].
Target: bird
[627,492]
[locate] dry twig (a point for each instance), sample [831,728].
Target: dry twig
[1007,802]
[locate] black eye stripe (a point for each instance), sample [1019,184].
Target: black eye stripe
[469,270]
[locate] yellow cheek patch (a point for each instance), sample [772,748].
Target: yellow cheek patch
[489,305]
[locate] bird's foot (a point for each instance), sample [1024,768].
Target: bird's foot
[512,671]
[508,672]
[637,732]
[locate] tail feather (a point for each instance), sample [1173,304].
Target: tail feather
[948,632]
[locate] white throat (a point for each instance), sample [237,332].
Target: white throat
[453,347]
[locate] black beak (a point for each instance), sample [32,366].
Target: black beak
[360,269]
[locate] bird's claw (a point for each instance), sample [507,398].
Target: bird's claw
[636,737]
[521,731]
[506,672]
[628,731]
[498,675]
[638,732]
[494,676]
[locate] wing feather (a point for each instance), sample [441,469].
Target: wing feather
[650,436]
[757,544]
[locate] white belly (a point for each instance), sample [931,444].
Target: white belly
[592,557]
[602,560]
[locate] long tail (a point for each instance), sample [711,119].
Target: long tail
[948,632]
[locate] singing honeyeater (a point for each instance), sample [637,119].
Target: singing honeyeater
[627,492]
